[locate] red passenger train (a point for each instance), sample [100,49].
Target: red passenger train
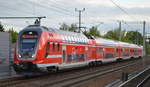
[41,49]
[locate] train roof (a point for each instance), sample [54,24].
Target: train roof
[106,42]
[68,33]
[68,36]
[79,37]
[54,30]
[65,35]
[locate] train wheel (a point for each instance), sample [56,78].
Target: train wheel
[132,58]
[119,60]
[91,64]
[53,69]
[99,62]
[140,56]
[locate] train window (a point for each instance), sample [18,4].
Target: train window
[65,38]
[82,40]
[126,53]
[47,49]
[109,55]
[73,39]
[121,50]
[99,49]
[68,38]
[85,40]
[117,49]
[58,47]
[78,39]
[53,49]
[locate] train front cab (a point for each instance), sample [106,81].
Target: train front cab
[26,50]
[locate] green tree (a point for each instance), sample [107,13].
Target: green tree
[133,37]
[114,34]
[14,35]
[2,28]
[64,26]
[93,32]
[72,27]
[147,49]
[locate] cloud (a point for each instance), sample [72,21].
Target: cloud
[96,2]
[96,11]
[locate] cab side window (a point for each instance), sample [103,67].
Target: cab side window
[53,47]
[58,47]
[99,49]
[47,49]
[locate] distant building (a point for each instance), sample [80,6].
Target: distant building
[147,37]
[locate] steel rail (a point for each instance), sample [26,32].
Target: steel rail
[144,81]
[19,81]
[67,82]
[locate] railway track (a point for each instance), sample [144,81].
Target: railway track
[143,83]
[140,80]
[74,81]
[67,78]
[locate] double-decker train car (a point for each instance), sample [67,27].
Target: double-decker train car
[45,49]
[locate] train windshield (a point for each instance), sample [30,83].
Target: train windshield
[28,42]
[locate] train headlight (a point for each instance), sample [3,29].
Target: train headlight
[19,55]
[33,55]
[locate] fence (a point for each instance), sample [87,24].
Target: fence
[5,54]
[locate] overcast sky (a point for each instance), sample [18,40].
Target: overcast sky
[59,11]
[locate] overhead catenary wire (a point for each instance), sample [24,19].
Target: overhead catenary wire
[17,10]
[45,7]
[56,5]
[54,9]
[124,11]
[127,24]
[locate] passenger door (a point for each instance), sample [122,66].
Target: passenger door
[63,54]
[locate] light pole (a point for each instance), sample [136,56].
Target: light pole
[144,50]
[80,11]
